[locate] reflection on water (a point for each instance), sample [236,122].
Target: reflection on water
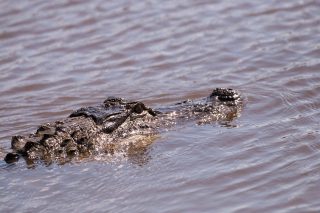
[61,55]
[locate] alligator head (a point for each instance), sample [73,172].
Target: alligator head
[114,112]
[99,127]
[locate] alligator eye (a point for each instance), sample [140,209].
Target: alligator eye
[138,109]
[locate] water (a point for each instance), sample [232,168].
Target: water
[59,56]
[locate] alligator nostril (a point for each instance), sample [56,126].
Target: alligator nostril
[138,109]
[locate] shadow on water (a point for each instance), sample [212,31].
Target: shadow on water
[223,122]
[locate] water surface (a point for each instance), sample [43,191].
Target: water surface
[61,55]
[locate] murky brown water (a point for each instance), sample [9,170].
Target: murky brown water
[58,56]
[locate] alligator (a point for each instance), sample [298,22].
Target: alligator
[100,127]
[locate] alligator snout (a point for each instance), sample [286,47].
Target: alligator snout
[224,94]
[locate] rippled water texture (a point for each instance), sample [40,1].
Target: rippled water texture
[58,56]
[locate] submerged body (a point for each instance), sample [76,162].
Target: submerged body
[99,127]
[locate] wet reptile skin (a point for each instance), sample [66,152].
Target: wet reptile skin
[95,128]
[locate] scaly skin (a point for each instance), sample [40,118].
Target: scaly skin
[96,128]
